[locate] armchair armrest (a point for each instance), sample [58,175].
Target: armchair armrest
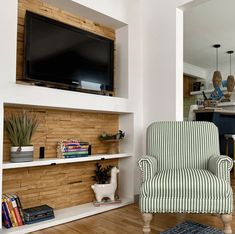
[221,166]
[148,166]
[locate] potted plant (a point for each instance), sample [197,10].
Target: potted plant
[20,128]
[102,174]
[112,140]
[106,182]
[112,137]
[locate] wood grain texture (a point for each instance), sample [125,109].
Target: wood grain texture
[45,9]
[58,186]
[128,220]
[57,125]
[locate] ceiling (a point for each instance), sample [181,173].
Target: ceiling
[212,22]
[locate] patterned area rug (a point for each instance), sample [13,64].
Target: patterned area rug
[192,228]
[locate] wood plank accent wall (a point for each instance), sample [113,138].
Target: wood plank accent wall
[64,185]
[42,8]
[58,186]
[57,125]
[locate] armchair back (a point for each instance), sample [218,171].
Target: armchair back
[182,144]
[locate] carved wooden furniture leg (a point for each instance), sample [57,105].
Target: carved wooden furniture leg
[147,217]
[227,219]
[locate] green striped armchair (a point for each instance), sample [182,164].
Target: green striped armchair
[183,172]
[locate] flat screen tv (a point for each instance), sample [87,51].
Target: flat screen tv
[57,53]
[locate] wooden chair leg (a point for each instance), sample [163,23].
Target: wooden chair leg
[147,217]
[227,219]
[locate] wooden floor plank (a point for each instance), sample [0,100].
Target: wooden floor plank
[128,220]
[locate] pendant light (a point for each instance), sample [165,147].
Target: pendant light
[230,79]
[217,78]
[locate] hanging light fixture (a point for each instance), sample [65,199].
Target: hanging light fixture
[230,79]
[217,78]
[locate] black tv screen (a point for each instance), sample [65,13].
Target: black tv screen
[62,54]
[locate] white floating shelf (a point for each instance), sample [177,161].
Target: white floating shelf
[53,161]
[224,104]
[206,91]
[67,215]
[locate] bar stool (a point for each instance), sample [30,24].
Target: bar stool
[227,137]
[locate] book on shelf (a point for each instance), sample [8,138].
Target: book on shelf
[15,209]
[18,202]
[6,221]
[13,215]
[75,156]
[11,211]
[72,149]
[38,214]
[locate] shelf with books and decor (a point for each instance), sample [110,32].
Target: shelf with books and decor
[56,179]
[64,184]
[67,215]
[54,161]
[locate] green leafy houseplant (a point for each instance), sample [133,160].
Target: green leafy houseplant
[102,174]
[20,128]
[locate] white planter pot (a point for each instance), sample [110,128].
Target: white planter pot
[22,154]
[106,190]
[103,190]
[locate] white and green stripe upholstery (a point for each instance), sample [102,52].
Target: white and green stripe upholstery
[183,171]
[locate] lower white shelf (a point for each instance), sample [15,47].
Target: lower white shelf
[67,215]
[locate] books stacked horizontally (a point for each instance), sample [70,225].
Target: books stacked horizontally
[38,214]
[12,213]
[72,149]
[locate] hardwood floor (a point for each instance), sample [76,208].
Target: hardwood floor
[128,220]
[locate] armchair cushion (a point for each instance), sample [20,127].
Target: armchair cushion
[186,190]
[220,166]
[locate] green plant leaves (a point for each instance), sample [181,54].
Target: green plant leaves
[102,174]
[21,127]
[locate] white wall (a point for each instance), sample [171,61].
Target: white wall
[8,15]
[195,71]
[163,59]
[115,9]
[159,61]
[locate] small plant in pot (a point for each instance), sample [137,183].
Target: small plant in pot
[102,174]
[106,182]
[20,128]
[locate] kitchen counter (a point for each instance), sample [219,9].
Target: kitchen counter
[223,119]
[216,110]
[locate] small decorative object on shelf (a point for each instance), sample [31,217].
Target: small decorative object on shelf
[112,140]
[103,189]
[20,128]
[72,149]
[118,136]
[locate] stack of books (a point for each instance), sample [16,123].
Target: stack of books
[12,213]
[72,149]
[38,214]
